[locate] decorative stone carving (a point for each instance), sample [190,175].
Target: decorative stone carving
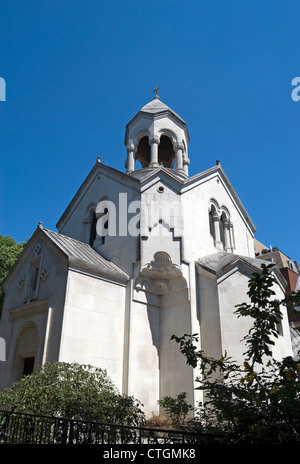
[21,283]
[37,249]
[44,274]
[160,276]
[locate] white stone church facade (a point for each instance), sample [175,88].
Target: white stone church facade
[115,300]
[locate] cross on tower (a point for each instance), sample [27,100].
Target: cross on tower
[155,90]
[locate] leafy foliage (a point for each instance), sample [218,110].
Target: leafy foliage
[177,408]
[72,391]
[266,312]
[158,421]
[257,402]
[9,252]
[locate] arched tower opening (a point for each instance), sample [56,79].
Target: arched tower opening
[143,152]
[166,153]
[157,136]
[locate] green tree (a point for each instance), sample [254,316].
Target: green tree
[177,409]
[256,402]
[9,252]
[72,391]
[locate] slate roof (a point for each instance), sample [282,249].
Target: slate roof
[157,106]
[219,262]
[84,255]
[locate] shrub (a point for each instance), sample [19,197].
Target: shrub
[72,391]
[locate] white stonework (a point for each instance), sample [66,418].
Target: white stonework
[179,267]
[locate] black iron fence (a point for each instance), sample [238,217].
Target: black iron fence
[21,428]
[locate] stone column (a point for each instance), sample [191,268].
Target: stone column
[130,159]
[186,163]
[227,247]
[179,156]
[154,142]
[226,236]
[218,243]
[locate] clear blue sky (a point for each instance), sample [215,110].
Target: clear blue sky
[77,71]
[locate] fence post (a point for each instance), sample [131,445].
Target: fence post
[71,432]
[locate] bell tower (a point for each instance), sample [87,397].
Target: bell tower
[155,137]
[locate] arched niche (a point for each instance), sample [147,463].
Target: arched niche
[26,349]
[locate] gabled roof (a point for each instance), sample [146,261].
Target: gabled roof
[98,168]
[218,263]
[186,183]
[139,179]
[84,255]
[77,253]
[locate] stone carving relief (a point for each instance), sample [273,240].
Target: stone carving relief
[161,278]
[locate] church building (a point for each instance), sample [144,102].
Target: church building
[138,255]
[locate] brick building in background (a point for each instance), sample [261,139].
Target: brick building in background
[291,272]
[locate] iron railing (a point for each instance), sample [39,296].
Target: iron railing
[21,428]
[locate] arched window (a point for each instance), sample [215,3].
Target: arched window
[89,223]
[105,225]
[91,235]
[103,212]
[93,232]
[222,229]
[226,231]
[34,273]
[212,212]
